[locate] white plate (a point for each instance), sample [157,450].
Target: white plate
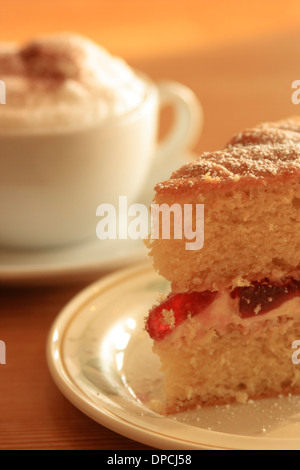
[77,261]
[100,357]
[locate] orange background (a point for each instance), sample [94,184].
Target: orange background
[134,28]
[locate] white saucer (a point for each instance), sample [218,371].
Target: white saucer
[75,262]
[101,359]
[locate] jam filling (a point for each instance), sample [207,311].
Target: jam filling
[257,299]
[261,297]
[180,306]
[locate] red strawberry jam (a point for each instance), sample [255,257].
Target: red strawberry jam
[180,307]
[261,297]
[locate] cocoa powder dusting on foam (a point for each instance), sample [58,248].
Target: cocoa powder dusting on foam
[64,80]
[170,313]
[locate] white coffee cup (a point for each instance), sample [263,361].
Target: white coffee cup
[51,182]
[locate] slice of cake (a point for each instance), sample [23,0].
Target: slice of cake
[226,330]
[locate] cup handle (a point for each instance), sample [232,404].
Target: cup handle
[188,121]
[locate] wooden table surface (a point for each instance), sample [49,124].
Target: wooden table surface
[239,84]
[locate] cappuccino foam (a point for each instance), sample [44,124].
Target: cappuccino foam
[65,80]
